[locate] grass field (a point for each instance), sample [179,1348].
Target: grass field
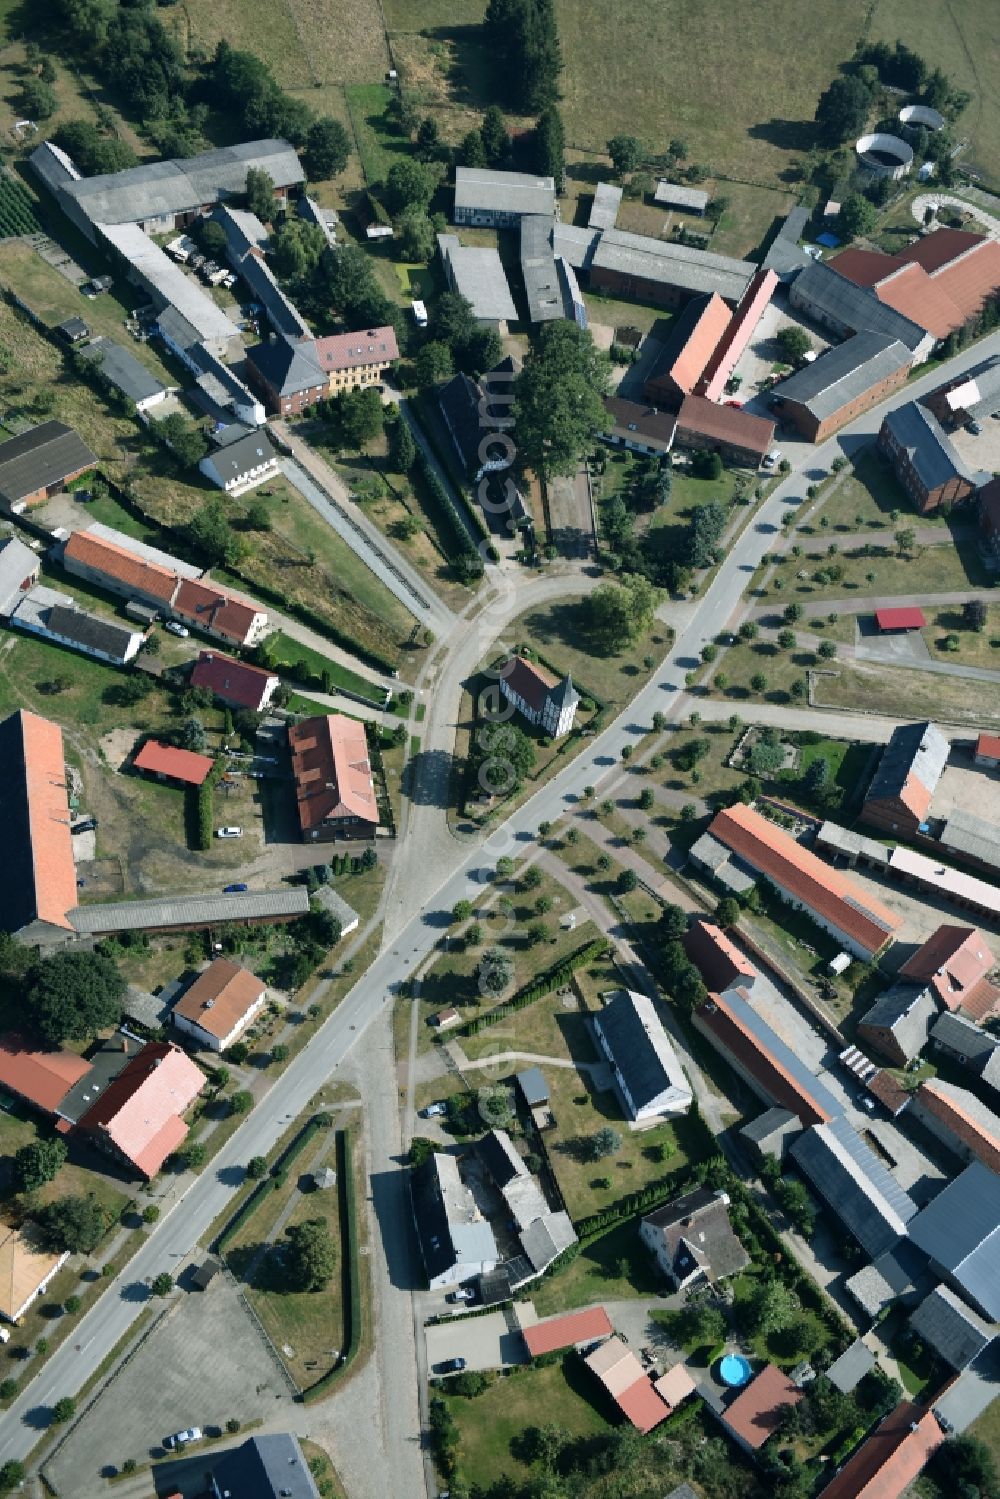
[907,694]
[865,497]
[555,630]
[378,146]
[975,647]
[339,41]
[932,569]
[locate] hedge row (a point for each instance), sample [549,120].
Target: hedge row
[427,427]
[351,1268]
[467,559]
[544,984]
[253,1202]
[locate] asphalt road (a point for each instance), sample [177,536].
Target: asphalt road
[178,1232]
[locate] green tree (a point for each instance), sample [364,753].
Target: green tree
[74,1223]
[461,910]
[858,216]
[523,43]
[495,973]
[311,1256]
[727,912]
[327,149]
[816,780]
[827,650]
[260,194]
[162,1284]
[38,1163]
[906,540]
[38,99]
[496,141]
[699,1324]
[240,1102]
[193,1154]
[625,152]
[628,880]
[187,443]
[471,151]
[258,518]
[64,1410]
[615,615]
[772,1306]
[402,448]
[967,1466]
[410,182]
[606,1141]
[358,417]
[794,342]
[758,682]
[548,146]
[73,995]
[647,799]
[842,111]
[211,533]
[416,236]
[433,364]
[975,615]
[558,398]
[257,1168]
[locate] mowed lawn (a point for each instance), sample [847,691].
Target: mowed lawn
[731,80]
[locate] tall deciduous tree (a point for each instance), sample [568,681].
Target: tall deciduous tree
[37,1163]
[496,141]
[558,399]
[616,614]
[74,1223]
[842,111]
[625,152]
[260,194]
[73,995]
[328,146]
[311,1256]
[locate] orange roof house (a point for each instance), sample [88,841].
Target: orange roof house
[25,1269]
[41,1078]
[954,962]
[758,1410]
[565,1332]
[718,960]
[138,1117]
[235,682]
[37,872]
[939,282]
[836,903]
[333,778]
[738,333]
[892,1457]
[220,1004]
[958,1117]
[215,612]
[167,762]
[122,571]
[628,1384]
[692,341]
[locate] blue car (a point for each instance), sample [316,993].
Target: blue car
[235,889]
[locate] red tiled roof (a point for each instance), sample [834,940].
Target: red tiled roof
[934,251]
[690,363]
[900,619]
[564,1332]
[220,997]
[807,878]
[727,424]
[953,960]
[989,745]
[718,1017]
[233,681]
[642,1405]
[718,960]
[121,565]
[629,1386]
[883,1086]
[893,1456]
[757,1411]
[865,267]
[961,1112]
[140,1111]
[48,819]
[179,764]
[528,680]
[938,282]
[349,351]
[981,1001]
[205,605]
[727,352]
[42,1078]
[333,776]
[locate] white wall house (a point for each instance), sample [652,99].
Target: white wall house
[219,1006]
[240,466]
[647,1070]
[538,696]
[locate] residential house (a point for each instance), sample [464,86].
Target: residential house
[569,1331]
[843,383]
[353,361]
[958,1118]
[38,1077]
[858,1188]
[37,872]
[287,375]
[270,1465]
[109,565]
[217,1008]
[334,790]
[456,1241]
[987,752]
[499,200]
[119,368]
[888,1462]
[477,274]
[240,463]
[628,1384]
[56,616]
[759,1408]
[138,1119]
[898,1023]
[647,1072]
[968,1044]
[953,1330]
[925,460]
[860,923]
[543,699]
[26,1269]
[165,762]
[235,683]
[19,569]
[39,463]
[693,1241]
[769,1135]
[681,362]
[664,272]
[959,1232]
[221,615]
[640,429]
[736,435]
[768,1066]
[542,1234]
[899,797]
[954,963]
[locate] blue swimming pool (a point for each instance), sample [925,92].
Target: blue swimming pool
[734,1370]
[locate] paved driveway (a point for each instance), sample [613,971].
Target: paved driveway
[484,1342]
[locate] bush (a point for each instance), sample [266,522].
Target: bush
[72,1305]
[150,1213]
[64,1409]
[256,1168]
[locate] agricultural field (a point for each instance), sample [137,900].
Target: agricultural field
[306,45]
[17,209]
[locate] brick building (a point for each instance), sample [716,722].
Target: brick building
[926,462]
[844,382]
[736,435]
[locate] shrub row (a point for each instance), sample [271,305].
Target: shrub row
[466,560]
[204,815]
[351,1268]
[253,1202]
[544,984]
[461,489]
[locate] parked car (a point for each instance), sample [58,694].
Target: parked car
[464,1293]
[176,628]
[452,1366]
[183,1438]
[432,1110]
[85,825]
[974,428]
[229,832]
[235,889]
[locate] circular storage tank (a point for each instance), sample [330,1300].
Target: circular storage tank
[921,114]
[885,155]
[734,1370]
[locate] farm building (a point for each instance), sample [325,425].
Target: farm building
[738,436]
[38,871]
[120,369]
[925,460]
[56,616]
[899,621]
[499,200]
[898,1023]
[167,763]
[477,274]
[641,429]
[674,195]
[692,339]
[648,1075]
[39,463]
[663,271]
[842,383]
[19,568]
[901,790]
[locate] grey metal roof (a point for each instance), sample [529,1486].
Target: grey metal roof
[845,372]
[504,192]
[647,259]
[575,244]
[542,284]
[288,367]
[930,450]
[189,910]
[604,209]
[860,1190]
[547,1237]
[17,562]
[772,1122]
[846,841]
[677,196]
[122,369]
[781,1052]
[162,188]
[107,1060]
[245,236]
[501,1160]
[167,282]
[968,834]
[851,306]
[917,749]
[718,859]
[90,630]
[847,1372]
[969,1396]
[337,906]
[907,1011]
[960,1231]
[40,457]
[961,1036]
[450,1228]
[52,166]
[324,218]
[785,255]
[264,1467]
[239,457]
[640,1047]
[477,274]
[534,1088]
[955,1332]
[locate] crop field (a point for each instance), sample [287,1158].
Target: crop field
[17,214]
[306,42]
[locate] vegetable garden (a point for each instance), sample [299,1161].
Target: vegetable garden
[17,212]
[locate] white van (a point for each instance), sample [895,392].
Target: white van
[419,314]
